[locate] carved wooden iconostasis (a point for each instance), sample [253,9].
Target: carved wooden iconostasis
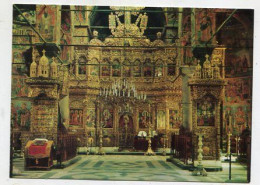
[124,73]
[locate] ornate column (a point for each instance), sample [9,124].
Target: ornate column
[187,72]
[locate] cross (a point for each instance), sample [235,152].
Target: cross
[43,51]
[207,57]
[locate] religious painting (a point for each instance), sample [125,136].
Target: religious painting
[240,119]
[238,90]
[186,38]
[159,70]
[144,119]
[206,112]
[47,16]
[175,119]
[65,19]
[229,120]
[148,69]
[29,14]
[91,118]
[205,24]
[80,15]
[107,118]
[237,118]
[18,57]
[20,114]
[161,119]
[82,65]
[82,69]
[126,122]
[239,63]
[105,68]
[137,69]
[116,69]
[94,67]
[76,117]
[171,69]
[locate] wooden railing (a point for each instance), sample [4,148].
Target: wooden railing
[181,146]
[66,147]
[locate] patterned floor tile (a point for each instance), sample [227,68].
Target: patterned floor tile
[130,168]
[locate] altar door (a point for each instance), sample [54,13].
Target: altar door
[126,130]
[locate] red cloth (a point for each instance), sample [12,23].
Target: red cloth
[37,149]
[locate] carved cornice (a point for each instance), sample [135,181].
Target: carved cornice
[207,82]
[42,81]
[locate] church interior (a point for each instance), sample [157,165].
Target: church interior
[172,83]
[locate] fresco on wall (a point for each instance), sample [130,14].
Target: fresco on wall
[186,38]
[81,15]
[107,118]
[238,63]
[29,15]
[206,112]
[76,117]
[65,33]
[19,87]
[205,24]
[238,90]
[90,118]
[20,114]
[237,118]
[46,21]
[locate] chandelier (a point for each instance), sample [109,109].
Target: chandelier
[122,89]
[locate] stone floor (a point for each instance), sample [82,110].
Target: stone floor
[130,168]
